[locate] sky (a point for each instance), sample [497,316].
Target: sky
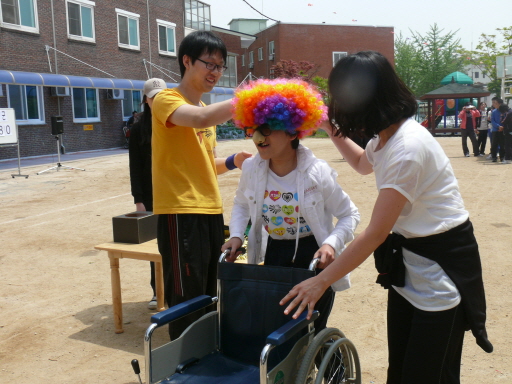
[470,17]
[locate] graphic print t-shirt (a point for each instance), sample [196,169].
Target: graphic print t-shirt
[280,210]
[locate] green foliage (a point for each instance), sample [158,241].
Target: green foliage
[485,53]
[323,87]
[422,61]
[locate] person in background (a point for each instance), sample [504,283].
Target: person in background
[186,193]
[430,264]
[482,127]
[497,138]
[139,153]
[468,126]
[506,128]
[290,196]
[131,120]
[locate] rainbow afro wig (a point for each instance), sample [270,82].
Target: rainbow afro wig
[288,105]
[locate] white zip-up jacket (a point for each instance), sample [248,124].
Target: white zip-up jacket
[320,200]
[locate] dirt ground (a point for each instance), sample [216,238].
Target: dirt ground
[56,322]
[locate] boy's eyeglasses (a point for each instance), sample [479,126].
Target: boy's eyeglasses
[212,66]
[264,130]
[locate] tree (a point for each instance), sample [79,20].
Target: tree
[423,61]
[290,69]
[484,56]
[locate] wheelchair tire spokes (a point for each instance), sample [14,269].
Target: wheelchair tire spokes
[330,359]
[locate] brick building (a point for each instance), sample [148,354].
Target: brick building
[322,44]
[87,61]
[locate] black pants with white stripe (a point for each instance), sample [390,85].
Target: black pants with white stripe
[424,347]
[190,248]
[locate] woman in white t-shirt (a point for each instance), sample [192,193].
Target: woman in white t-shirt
[430,263]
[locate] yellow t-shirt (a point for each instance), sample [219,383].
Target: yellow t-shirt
[183,165]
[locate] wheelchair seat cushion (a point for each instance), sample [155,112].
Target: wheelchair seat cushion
[216,369]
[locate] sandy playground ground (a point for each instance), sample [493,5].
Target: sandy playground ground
[56,322]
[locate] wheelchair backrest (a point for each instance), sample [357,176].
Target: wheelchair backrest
[249,306]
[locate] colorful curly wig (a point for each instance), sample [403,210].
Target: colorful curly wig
[288,105]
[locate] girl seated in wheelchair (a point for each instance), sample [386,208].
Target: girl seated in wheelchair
[290,196]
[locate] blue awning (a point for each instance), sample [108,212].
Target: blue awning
[54,80]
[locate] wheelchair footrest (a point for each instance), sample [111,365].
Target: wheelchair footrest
[216,369]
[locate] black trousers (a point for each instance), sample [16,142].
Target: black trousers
[498,145]
[482,140]
[190,248]
[280,253]
[424,347]
[465,133]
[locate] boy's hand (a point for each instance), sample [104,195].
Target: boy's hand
[240,158]
[234,243]
[326,255]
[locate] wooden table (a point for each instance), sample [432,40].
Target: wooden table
[145,251]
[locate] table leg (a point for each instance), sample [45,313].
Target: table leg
[116,292]
[159,286]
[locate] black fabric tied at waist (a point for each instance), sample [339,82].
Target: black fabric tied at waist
[456,251]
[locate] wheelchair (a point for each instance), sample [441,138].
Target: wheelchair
[247,339]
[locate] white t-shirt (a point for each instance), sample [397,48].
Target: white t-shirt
[280,208]
[413,163]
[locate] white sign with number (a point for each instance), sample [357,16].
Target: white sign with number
[8,128]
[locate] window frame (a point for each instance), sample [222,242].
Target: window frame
[87,4]
[251,57]
[134,106]
[200,17]
[87,119]
[40,104]
[334,61]
[129,16]
[243,59]
[167,25]
[271,48]
[260,54]
[20,27]
[230,73]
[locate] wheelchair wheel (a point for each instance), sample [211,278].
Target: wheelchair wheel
[330,358]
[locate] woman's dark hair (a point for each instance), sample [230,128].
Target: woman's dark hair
[503,108]
[367,95]
[196,44]
[145,123]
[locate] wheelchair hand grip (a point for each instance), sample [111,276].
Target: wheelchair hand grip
[182,309]
[290,328]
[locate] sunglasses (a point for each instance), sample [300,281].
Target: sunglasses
[264,130]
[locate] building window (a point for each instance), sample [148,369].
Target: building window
[271,48]
[19,14]
[131,102]
[243,60]
[260,54]
[251,57]
[27,102]
[477,75]
[228,78]
[197,15]
[85,105]
[483,75]
[166,37]
[128,29]
[336,56]
[81,20]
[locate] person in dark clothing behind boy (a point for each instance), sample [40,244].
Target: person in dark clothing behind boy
[139,152]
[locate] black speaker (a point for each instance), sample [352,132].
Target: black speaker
[57,125]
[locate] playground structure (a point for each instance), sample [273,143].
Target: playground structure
[447,101]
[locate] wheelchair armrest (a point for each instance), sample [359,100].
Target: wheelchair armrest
[290,328]
[181,309]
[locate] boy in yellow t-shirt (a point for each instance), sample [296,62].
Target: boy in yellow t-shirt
[184,172]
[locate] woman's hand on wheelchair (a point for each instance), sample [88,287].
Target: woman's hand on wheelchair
[234,243]
[304,296]
[326,255]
